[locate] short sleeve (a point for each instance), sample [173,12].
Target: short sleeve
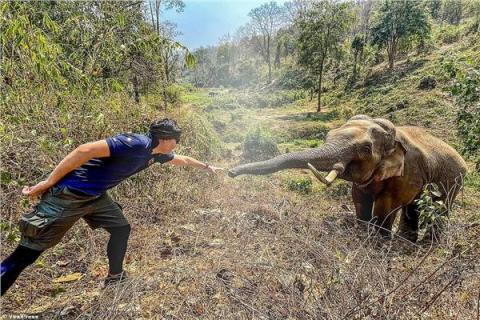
[164,157]
[125,145]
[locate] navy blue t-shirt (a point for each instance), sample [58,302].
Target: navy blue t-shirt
[129,154]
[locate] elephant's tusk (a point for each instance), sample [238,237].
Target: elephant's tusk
[328,179]
[331,176]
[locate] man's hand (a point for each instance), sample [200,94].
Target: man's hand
[214,170]
[181,161]
[37,190]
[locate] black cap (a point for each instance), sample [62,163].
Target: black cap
[165,129]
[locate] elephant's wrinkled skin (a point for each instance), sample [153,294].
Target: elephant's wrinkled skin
[388,165]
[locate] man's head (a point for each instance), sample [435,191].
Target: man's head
[165,134]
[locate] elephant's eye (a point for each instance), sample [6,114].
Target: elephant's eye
[367,149]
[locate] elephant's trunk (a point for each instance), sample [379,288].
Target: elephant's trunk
[326,158]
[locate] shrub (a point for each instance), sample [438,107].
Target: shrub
[432,211]
[259,145]
[449,34]
[465,89]
[427,83]
[300,185]
[173,94]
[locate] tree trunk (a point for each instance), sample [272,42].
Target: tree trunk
[158,3]
[165,102]
[320,76]
[391,61]
[166,68]
[354,73]
[136,92]
[391,51]
[151,13]
[277,55]
[268,61]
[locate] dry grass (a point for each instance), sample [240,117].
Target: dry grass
[215,248]
[243,249]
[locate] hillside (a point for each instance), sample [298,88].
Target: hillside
[273,247]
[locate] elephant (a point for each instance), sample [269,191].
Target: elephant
[388,165]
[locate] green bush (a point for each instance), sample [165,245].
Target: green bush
[259,145]
[448,34]
[465,89]
[432,211]
[472,180]
[300,185]
[263,99]
[174,93]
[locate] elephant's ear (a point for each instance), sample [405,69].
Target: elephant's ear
[392,165]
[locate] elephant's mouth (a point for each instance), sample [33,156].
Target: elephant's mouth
[359,180]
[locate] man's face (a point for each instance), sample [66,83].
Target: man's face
[167,146]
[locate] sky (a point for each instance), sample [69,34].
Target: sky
[204,22]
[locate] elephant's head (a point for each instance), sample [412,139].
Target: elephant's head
[362,150]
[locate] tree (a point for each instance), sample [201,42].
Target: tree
[434,7]
[155,8]
[168,50]
[322,29]
[452,11]
[357,49]
[266,21]
[397,21]
[359,37]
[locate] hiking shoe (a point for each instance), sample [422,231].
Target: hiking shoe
[115,279]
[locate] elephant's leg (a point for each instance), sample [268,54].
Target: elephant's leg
[409,222]
[385,210]
[363,204]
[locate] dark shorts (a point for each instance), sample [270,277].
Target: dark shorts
[59,209]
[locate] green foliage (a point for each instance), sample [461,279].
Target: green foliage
[434,8]
[174,93]
[399,21]
[321,31]
[448,34]
[452,11]
[294,77]
[432,211]
[465,89]
[265,22]
[259,145]
[270,100]
[11,233]
[219,66]
[200,139]
[473,180]
[84,47]
[300,185]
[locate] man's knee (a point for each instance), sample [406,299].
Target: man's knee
[120,231]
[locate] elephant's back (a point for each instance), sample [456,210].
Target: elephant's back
[442,163]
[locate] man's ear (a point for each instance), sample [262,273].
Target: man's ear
[392,165]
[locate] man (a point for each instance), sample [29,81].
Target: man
[77,187]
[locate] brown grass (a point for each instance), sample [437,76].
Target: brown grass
[243,249]
[216,248]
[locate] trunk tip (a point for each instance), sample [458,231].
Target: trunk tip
[231,173]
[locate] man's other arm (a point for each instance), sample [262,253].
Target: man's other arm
[83,153]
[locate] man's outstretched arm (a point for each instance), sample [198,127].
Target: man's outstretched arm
[184,161]
[73,160]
